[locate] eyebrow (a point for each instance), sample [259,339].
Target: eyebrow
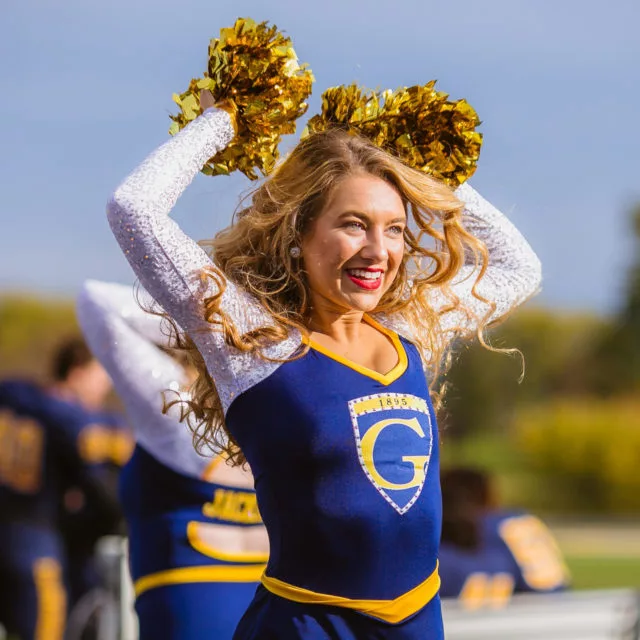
[363,216]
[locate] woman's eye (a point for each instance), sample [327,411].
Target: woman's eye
[396,230]
[354,225]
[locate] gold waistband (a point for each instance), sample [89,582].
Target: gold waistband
[392,611]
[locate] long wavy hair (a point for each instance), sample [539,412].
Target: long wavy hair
[255,253]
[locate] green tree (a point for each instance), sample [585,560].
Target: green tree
[617,353]
[30,328]
[587,447]
[485,388]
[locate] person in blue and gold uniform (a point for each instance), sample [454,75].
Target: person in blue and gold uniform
[197,545]
[105,447]
[487,553]
[41,431]
[320,319]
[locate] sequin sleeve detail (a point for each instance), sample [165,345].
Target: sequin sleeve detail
[168,263]
[126,339]
[513,273]
[171,266]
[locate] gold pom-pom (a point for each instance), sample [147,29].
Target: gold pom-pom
[254,74]
[418,124]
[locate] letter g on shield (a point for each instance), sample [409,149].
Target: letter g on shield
[394,439]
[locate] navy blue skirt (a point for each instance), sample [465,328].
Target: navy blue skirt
[271,617]
[194,611]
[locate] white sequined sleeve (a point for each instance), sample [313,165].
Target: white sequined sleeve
[170,265]
[125,340]
[513,272]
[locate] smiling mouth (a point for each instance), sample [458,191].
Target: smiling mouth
[369,279]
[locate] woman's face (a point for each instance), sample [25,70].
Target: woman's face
[355,247]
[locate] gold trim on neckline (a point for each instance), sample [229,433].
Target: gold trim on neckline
[384,378]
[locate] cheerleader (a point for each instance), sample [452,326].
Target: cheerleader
[320,318]
[197,546]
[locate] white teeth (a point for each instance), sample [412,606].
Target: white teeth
[366,275]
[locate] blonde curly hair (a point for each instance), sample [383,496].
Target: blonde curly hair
[254,253]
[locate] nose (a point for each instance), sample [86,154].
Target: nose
[375,248]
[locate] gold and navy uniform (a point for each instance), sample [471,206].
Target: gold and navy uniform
[194,569]
[39,457]
[105,446]
[480,577]
[345,460]
[346,469]
[538,563]
[516,554]
[186,587]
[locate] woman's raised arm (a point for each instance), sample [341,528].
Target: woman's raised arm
[513,272]
[168,263]
[127,340]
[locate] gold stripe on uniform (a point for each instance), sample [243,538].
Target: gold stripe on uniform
[383,402]
[392,611]
[187,575]
[52,599]
[384,378]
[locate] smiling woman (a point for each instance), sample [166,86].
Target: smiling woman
[359,240]
[329,237]
[317,323]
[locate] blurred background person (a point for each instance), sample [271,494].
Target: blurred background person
[488,553]
[197,545]
[42,435]
[105,444]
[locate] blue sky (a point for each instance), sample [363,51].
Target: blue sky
[86,93]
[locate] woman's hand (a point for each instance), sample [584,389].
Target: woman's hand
[206,100]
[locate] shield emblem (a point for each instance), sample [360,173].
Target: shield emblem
[394,437]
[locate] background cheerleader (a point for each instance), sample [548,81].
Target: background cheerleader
[197,546]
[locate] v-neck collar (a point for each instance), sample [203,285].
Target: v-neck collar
[384,378]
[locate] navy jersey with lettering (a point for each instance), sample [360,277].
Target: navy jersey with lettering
[186,586]
[480,577]
[197,548]
[517,554]
[41,454]
[39,457]
[534,552]
[105,445]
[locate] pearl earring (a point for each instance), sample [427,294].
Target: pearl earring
[294,252]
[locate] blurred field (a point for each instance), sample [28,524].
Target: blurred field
[604,572]
[601,555]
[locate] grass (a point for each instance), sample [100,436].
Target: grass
[604,572]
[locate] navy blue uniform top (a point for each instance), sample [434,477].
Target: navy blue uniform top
[41,442]
[346,472]
[478,577]
[537,559]
[105,443]
[164,509]
[517,554]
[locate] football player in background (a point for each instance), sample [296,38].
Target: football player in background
[488,553]
[44,432]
